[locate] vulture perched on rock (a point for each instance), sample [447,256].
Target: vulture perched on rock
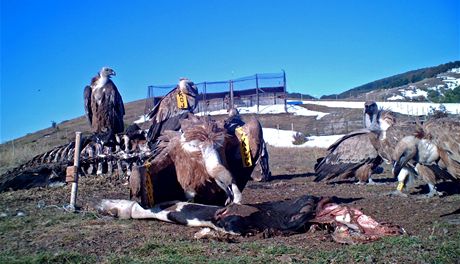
[173,107]
[103,103]
[434,150]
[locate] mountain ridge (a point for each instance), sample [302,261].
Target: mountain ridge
[395,81]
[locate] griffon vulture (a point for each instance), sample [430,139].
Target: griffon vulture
[357,153]
[435,150]
[103,103]
[261,172]
[173,107]
[202,162]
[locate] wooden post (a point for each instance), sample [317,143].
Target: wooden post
[73,171]
[231,95]
[285,95]
[257,92]
[12,143]
[205,99]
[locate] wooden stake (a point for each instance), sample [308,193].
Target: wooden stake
[76,165]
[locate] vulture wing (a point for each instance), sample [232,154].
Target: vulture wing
[347,155]
[445,134]
[166,115]
[393,135]
[87,100]
[116,104]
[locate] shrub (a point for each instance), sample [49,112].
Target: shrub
[299,138]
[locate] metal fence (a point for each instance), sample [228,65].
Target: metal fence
[324,128]
[254,90]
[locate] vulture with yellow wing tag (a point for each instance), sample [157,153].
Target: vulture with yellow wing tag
[173,107]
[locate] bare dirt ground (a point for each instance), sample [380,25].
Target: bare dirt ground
[34,227]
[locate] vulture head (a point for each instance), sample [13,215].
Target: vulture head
[233,112]
[188,87]
[405,150]
[412,148]
[107,72]
[370,113]
[370,107]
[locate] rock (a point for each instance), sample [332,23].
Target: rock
[20,214]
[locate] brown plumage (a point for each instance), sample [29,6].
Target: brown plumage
[352,155]
[168,112]
[203,162]
[357,154]
[435,150]
[262,171]
[103,103]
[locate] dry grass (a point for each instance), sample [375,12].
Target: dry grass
[288,161]
[49,234]
[22,149]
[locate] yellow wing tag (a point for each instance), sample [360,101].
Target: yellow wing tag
[244,147]
[148,185]
[400,186]
[181,100]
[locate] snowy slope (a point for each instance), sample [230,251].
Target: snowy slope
[284,138]
[419,91]
[263,109]
[273,109]
[407,108]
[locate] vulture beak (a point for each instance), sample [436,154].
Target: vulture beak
[401,162]
[366,110]
[113,73]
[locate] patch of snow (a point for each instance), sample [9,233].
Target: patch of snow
[414,93]
[452,82]
[284,138]
[395,97]
[455,70]
[142,119]
[407,108]
[271,109]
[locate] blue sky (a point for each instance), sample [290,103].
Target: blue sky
[50,49]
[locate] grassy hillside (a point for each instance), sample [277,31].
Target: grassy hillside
[396,80]
[20,150]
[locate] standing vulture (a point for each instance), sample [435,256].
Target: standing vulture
[357,153]
[261,172]
[103,104]
[173,107]
[435,149]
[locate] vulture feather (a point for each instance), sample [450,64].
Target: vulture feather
[173,107]
[262,171]
[103,103]
[203,162]
[357,153]
[352,155]
[435,150]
